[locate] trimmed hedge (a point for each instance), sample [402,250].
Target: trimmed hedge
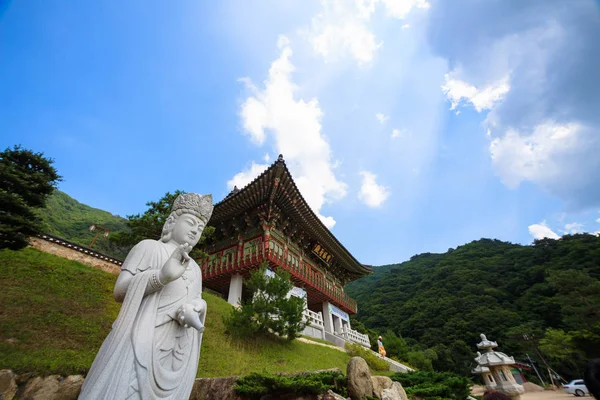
[257,385]
[434,385]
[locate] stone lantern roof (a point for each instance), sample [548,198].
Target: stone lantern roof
[486,344]
[480,370]
[491,357]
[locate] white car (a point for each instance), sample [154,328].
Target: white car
[576,387]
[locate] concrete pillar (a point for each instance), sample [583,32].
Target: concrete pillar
[337,324]
[235,290]
[327,318]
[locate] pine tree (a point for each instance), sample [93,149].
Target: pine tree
[26,181]
[270,309]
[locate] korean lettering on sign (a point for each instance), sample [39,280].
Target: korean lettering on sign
[322,253]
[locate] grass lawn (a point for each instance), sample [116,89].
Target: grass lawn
[56,313]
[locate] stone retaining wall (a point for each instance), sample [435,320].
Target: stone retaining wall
[85,255]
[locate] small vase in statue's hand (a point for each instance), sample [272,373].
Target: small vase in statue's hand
[189,317]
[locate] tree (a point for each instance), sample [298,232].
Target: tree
[578,296]
[149,225]
[270,309]
[394,346]
[26,181]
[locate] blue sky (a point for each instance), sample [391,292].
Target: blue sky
[410,126]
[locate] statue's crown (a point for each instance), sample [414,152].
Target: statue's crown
[191,203]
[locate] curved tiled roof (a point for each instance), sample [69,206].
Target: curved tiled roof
[276,186]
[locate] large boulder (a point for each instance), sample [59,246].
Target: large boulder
[379,384]
[358,374]
[8,384]
[396,392]
[214,389]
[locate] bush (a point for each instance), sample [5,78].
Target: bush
[374,362]
[269,310]
[434,385]
[255,385]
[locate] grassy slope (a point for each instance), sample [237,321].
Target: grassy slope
[60,311]
[69,219]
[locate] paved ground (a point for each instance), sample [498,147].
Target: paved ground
[549,395]
[545,395]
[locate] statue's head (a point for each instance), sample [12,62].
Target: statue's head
[187,220]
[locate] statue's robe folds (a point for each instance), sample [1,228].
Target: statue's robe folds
[148,354]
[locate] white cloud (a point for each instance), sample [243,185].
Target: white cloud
[396,133]
[343,27]
[267,157]
[243,178]
[541,231]
[294,126]
[405,26]
[482,99]
[381,118]
[535,157]
[574,227]
[372,194]
[401,8]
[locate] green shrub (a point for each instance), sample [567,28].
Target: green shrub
[270,309]
[434,385]
[374,362]
[257,385]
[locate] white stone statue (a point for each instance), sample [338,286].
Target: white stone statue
[153,349]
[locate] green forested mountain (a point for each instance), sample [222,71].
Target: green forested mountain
[69,219]
[442,302]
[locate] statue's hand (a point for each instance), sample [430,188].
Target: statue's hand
[189,317]
[199,306]
[176,264]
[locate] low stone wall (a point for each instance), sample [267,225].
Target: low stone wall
[64,248]
[55,387]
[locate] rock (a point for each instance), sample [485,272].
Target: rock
[8,384]
[290,396]
[52,387]
[24,378]
[396,392]
[360,384]
[70,387]
[379,384]
[331,395]
[214,389]
[40,388]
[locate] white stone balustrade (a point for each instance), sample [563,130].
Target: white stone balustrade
[357,337]
[315,318]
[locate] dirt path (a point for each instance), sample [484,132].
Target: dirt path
[301,339]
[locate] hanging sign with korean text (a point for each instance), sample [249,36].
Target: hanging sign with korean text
[322,253]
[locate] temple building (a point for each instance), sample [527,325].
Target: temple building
[269,220]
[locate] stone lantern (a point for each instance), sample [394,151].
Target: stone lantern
[486,375]
[495,369]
